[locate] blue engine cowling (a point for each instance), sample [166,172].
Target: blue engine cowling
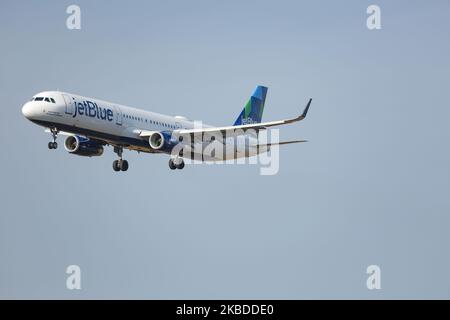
[162,140]
[83,147]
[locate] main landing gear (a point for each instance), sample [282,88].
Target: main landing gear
[120,165]
[53,144]
[176,163]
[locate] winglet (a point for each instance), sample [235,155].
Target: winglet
[306,109]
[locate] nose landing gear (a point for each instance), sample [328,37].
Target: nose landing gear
[120,165]
[53,144]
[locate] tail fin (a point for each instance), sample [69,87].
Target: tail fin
[253,110]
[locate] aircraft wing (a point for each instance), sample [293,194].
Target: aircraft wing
[231,131]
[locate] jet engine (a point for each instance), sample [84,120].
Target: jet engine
[83,146]
[159,140]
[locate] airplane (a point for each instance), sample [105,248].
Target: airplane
[91,124]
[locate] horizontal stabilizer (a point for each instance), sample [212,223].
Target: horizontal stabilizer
[280,143]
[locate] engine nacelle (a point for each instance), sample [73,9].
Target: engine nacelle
[83,146]
[160,140]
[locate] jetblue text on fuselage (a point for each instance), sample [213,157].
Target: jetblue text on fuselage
[91,109]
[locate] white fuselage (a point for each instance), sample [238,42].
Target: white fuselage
[110,122]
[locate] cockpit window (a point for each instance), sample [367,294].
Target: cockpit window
[47,99]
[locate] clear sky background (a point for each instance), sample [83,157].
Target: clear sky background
[371,186]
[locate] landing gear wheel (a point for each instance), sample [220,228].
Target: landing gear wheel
[120,164]
[124,165]
[180,165]
[116,166]
[53,144]
[172,165]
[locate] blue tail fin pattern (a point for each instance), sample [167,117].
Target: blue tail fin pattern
[253,110]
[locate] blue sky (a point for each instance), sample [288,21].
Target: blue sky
[370,186]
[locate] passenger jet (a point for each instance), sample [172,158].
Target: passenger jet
[91,124]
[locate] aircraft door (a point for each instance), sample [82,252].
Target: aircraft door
[70,106]
[118,115]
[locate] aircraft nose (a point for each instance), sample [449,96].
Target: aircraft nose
[27,110]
